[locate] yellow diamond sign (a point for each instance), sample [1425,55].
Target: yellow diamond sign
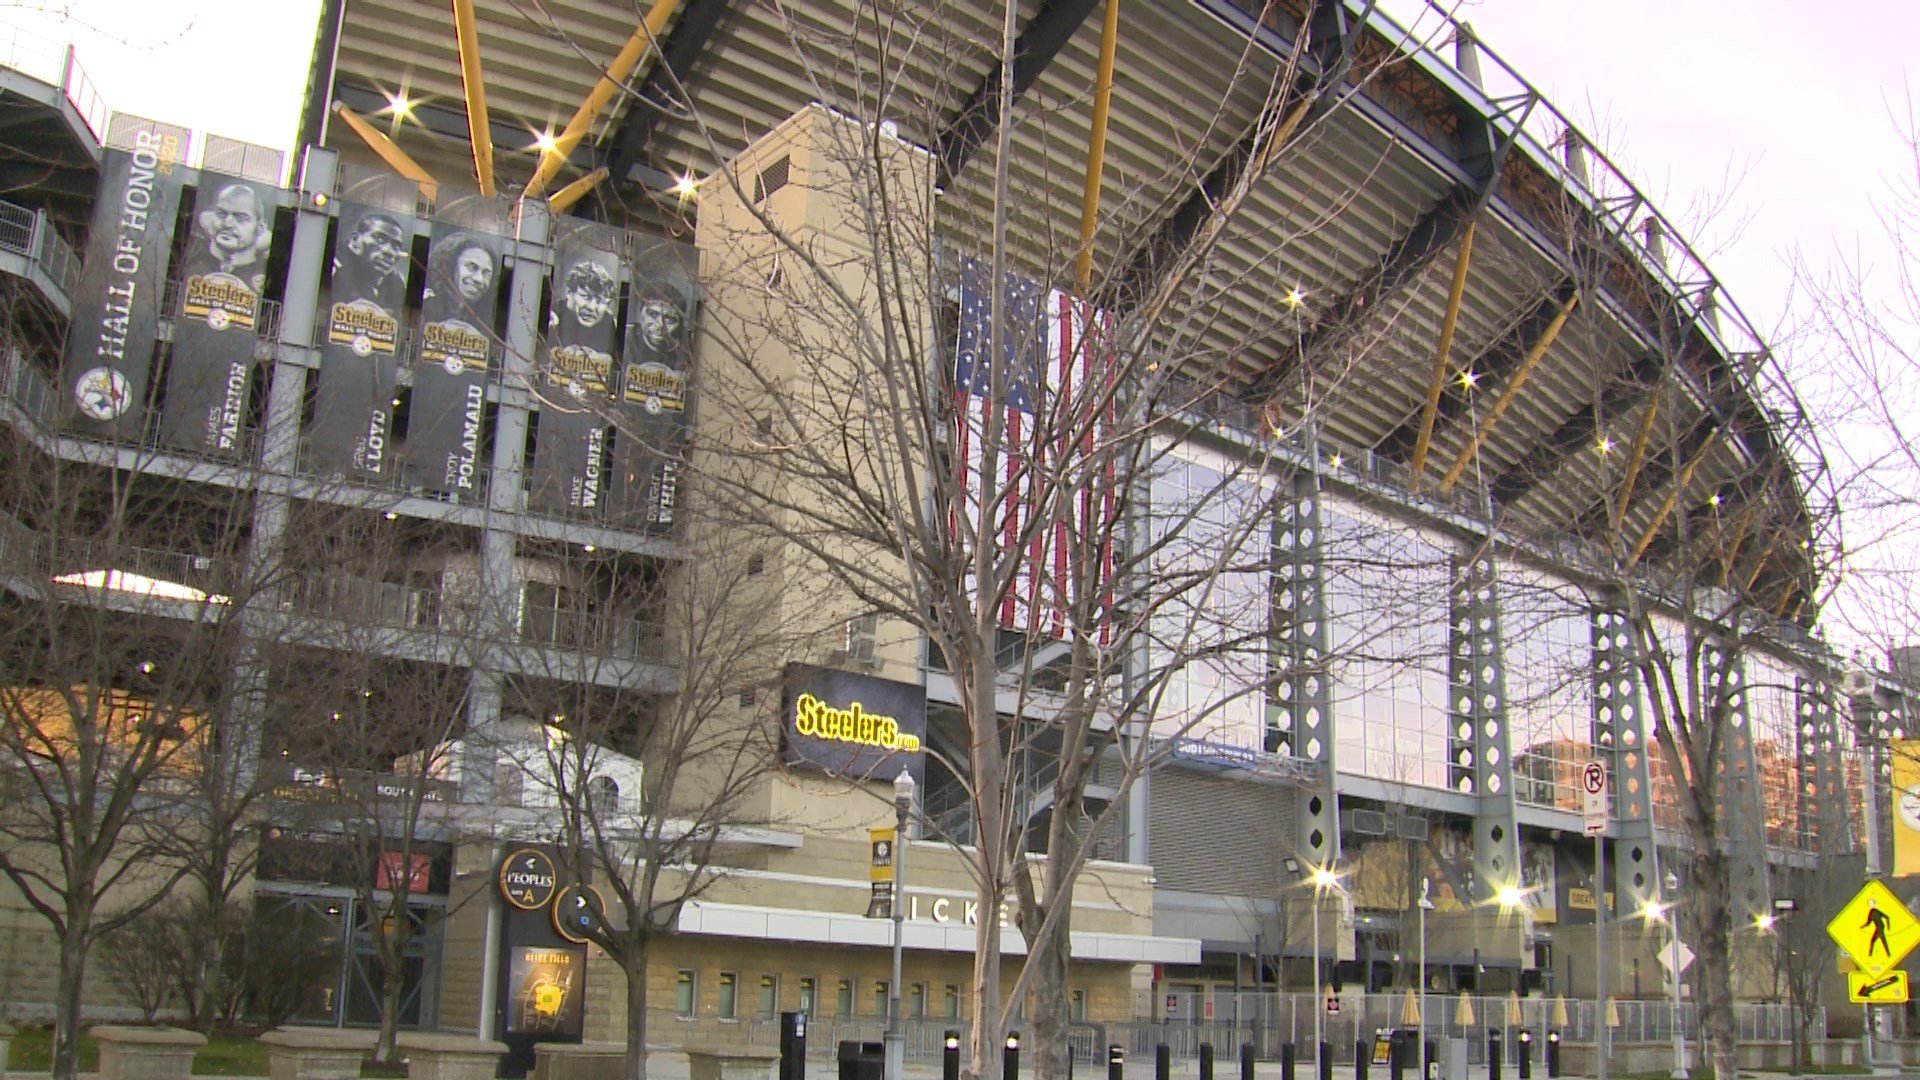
[1875,929]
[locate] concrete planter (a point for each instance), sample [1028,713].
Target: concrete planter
[139,1053]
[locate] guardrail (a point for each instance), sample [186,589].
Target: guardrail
[55,63]
[27,233]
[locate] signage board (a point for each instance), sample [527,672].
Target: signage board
[1889,989]
[853,726]
[1875,929]
[1593,797]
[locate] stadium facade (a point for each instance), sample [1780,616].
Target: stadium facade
[322,344]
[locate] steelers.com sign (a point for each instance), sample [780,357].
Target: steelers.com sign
[853,726]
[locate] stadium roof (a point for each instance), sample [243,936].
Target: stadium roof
[1596,365]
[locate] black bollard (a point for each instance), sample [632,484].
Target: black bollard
[950,1055]
[1286,1061]
[1116,1062]
[1400,1044]
[1162,1062]
[1246,1061]
[1323,1060]
[1430,1060]
[1010,1066]
[1553,1054]
[1361,1059]
[1493,1053]
[793,1046]
[1525,1063]
[1206,1061]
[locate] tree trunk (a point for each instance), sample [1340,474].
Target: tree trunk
[634,966]
[1047,954]
[986,993]
[67,1001]
[392,980]
[1714,954]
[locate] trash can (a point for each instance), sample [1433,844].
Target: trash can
[863,1060]
[1453,1059]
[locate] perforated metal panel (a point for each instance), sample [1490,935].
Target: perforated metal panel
[1483,762]
[1620,741]
[1303,718]
[1738,789]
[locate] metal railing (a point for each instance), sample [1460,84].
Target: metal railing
[27,232]
[54,63]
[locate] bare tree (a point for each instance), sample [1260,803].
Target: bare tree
[724,618]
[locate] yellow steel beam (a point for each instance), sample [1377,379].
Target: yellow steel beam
[560,201]
[1438,379]
[1509,392]
[1732,553]
[479,133]
[1667,504]
[611,81]
[1759,565]
[1097,147]
[401,162]
[1638,456]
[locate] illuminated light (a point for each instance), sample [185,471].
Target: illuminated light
[1605,446]
[146,667]
[1713,499]
[319,198]
[1294,298]
[1468,378]
[391,516]
[545,142]
[400,106]
[588,548]
[1337,461]
[685,187]
[139,585]
[1764,922]
[1508,896]
[1655,909]
[1324,878]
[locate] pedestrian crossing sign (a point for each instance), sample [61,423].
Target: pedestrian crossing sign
[1875,929]
[1888,989]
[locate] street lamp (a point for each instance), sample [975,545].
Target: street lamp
[1426,905]
[1670,914]
[896,1039]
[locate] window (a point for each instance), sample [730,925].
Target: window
[756,564]
[953,1001]
[729,1004]
[1077,1007]
[683,994]
[843,1005]
[809,988]
[769,995]
[746,698]
[879,997]
[917,1001]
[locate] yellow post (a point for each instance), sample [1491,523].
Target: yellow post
[616,76]
[1437,380]
[560,201]
[401,162]
[1509,392]
[1097,147]
[479,131]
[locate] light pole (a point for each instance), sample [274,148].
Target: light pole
[1323,879]
[1669,912]
[1426,905]
[896,1040]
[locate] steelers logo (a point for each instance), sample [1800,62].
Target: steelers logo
[653,404]
[577,388]
[103,393]
[218,319]
[362,345]
[1908,804]
[452,365]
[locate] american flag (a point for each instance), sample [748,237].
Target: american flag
[1056,354]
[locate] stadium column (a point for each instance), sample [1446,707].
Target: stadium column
[1480,758]
[1619,740]
[505,495]
[1821,787]
[1301,592]
[294,355]
[1739,786]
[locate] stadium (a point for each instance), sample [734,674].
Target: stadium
[389,470]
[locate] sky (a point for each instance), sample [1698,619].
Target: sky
[1764,128]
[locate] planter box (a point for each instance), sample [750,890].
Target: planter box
[297,1053]
[581,1061]
[450,1057]
[136,1053]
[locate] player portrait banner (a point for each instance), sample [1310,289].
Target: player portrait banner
[656,369]
[107,367]
[222,276]
[353,401]
[575,380]
[1905,760]
[456,351]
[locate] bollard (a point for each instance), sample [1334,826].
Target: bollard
[793,1046]
[1361,1059]
[1286,1061]
[1206,1061]
[1553,1054]
[950,1055]
[1010,1066]
[1397,1051]
[1525,1064]
[1246,1061]
[1430,1060]
[1162,1062]
[1493,1053]
[1116,1062]
[1323,1060]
